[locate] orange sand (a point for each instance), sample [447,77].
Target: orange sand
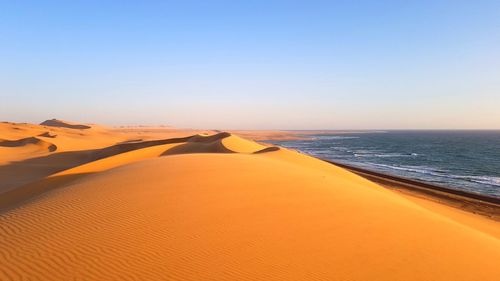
[110,204]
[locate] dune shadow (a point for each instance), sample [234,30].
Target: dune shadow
[130,141]
[18,173]
[211,138]
[27,141]
[14,197]
[191,148]
[267,149]
[201,144]
[47,135]
[20,142]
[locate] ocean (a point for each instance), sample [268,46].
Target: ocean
[463,160]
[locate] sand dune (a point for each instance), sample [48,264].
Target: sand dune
[64,124]
[82,162]
[41,144]
[66,139]
[11,150]
[220,207]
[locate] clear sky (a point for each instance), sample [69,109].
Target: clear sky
[253,64]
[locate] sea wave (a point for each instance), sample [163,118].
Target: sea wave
[385,155]
[479,179]
[334,138]
[490,180]
[414,169]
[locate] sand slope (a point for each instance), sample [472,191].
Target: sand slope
[219,207]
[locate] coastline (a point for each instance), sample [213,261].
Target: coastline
[464,160]
[484,205]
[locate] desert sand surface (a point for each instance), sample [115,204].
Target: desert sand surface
[89,202]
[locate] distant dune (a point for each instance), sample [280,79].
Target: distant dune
[28,141]
[166,205]
[24,147]
[63,124]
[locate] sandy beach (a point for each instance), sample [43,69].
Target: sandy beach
[90,202]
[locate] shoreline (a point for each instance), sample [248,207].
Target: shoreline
[484,205]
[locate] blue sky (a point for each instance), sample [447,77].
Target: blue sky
[253,64]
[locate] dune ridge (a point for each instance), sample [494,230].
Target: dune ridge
[29,141]
[220,207]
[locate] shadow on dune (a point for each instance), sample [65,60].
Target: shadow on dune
[201,144]
[125,147]
[189,148]
[267,149]
[130,141]
[47,135]
[11,198]
[210,138]
[21,172]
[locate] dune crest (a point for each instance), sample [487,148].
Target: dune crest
[217,143]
